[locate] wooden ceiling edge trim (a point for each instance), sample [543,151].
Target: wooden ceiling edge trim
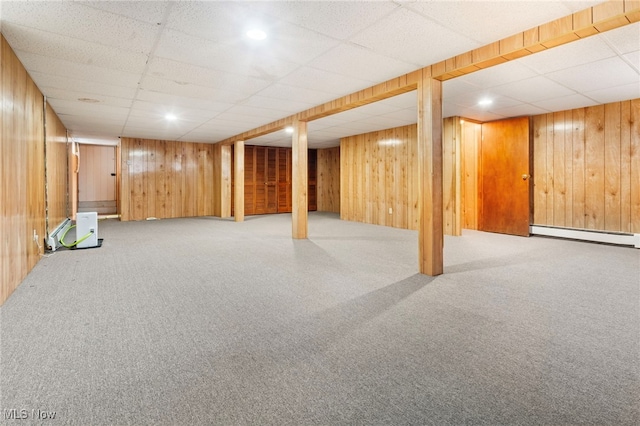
[606,16]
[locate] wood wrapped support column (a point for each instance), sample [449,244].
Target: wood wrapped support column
[430,226]
[238,188]
[299,199]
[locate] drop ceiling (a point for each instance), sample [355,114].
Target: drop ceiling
[114,69]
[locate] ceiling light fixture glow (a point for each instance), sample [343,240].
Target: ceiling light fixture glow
[170,117]
[485,102]
[256,34]
[288,129]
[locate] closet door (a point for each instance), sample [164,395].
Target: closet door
[249,180]
[312,180]
[271,180]
[284,180]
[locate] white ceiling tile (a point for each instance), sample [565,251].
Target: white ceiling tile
[181,73]
[147,11]
[616,93]
[456,86]
[294,44]
[415,39]
[596,75]
[220,22]
[250,121]
[358,62]
[173,101]
[625,39]
[580,52]
[231,58]
[564,103]
[62,106]
[501,74]
[286,107]
[74,71]
[337,19]
[217,125]
[532,89]
[159,110]
[333,83]
[266,113]
[477,20]
[634,59]
[87,87]
[519,110]
[68,95]
[72,49]
[190,90]
[75,20]
[297,94]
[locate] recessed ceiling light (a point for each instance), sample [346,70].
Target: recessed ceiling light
[170,117]
[288,129]
[485,102]
[256,34]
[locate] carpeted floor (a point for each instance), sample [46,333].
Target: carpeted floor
[205,321]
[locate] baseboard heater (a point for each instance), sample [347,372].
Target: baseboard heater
[54,237]
[594,236]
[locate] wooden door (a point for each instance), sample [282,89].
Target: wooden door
[284,180]
[271,180]
[504,180]
[312,165]
[97,179]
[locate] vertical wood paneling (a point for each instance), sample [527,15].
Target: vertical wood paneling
[329,179]
[377,173]
[589,168]
[634,124]
[166,179]
[625,166]
[470,141]
[594,167]
[540,185]
[57,169]
[578,168]
[22,172]
[612,142]
[451,173]
[559,184]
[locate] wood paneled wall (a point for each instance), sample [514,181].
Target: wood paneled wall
[378,172]
[57,170]
[166,179]
[471,135]
[329,180]
[587,168]
[451,176]
[22,172]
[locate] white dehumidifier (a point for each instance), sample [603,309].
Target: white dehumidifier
[87,226]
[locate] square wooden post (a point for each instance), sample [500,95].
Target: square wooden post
[299,203]
[430,228]
[238,188]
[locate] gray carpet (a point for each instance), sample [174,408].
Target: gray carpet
[205,321]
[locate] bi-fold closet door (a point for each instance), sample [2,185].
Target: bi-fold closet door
[267,180]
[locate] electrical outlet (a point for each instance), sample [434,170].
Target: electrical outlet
[390,210]
[35,236]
